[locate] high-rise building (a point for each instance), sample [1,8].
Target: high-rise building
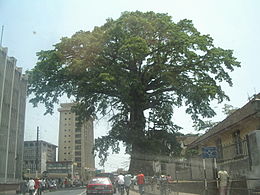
[12,116]
[46,152]
[75,141]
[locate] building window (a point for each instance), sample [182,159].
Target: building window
[65,153]
[238,143]
[78,135]
[65,119]
[77,147]
[65,147]
[78,159]
[77,141]
[77,153]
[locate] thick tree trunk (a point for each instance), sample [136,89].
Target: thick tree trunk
[139,160]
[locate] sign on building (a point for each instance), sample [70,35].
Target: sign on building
[209,152]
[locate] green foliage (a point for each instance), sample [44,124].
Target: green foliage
[139,62]
[229,109]
[189,153]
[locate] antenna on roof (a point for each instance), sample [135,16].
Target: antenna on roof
[2,34]
[248,97]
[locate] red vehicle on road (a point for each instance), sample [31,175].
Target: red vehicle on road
[100,185]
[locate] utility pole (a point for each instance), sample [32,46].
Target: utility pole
[37,152]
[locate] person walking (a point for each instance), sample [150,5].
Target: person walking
[127,179]
[23,187]
[163,185]
[153,183]
[121,183]
[37,186]
[31,184]
[140,182]
[223,179]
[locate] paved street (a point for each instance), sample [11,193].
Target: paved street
[83,191]
[66,192]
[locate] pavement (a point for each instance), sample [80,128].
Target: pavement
[83,192]
[157,192]
[172,193]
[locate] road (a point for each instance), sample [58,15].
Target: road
[83,192]
[66,192]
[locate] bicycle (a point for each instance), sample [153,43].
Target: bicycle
[122,189]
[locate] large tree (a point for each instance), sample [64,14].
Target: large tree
[139,62]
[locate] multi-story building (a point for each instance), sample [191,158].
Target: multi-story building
[75,141]
[12,116]
[46,152]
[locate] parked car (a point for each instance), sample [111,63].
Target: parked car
[100,185]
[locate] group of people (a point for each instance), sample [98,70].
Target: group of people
[36,186]
[33,186]
[124,182]
[164,181]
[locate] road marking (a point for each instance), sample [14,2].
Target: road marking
[82,192]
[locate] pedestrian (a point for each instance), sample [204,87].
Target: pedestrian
[37,186]
[153,183]
[140,182]
[127,179]
[40,189]
[223,179]
[24,187]
[121,183]
[43,185]
[163,185]
[31,184]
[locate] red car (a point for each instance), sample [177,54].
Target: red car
[100,185]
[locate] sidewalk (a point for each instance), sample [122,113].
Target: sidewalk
[134,192]
[157,192]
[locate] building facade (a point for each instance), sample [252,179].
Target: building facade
[237,143]
[75,141]
[13,86]
[230,137]
[46,152]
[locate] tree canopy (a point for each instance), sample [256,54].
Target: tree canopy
[140,62]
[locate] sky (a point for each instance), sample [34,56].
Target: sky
[34,25]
